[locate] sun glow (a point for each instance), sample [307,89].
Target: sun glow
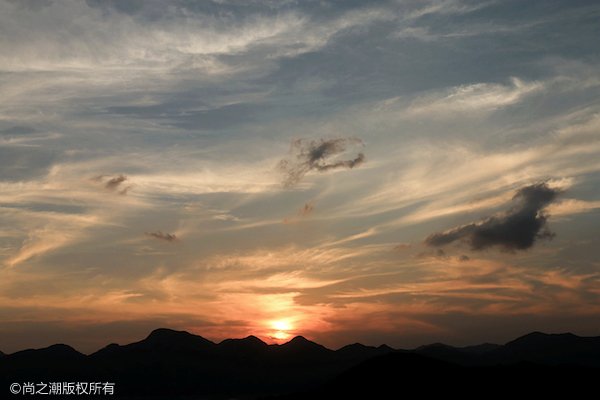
[281,326]
[281,329]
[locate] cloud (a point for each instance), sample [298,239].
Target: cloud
[317,155]
[402,246]
[439,254]
[306,210]
[112,183]
[571,206]
[518,229]
[17,130]
[168,237]
[25,163]
[303,211]
[35,5]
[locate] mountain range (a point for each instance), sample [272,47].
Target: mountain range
[170,364]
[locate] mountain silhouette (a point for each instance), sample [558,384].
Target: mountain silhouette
[359,351]
[536,347]
[550,349]
[397,374]
[171,363]
[56,351]
[163,340]
[246,348]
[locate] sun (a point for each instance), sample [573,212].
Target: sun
[281,329]
[281,326]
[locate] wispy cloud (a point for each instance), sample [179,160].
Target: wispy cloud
[307,209]
[17,130]
[112,183]
[318,156]
[439,254]
[167,237]
[402,246]
[303,211]
[571,206]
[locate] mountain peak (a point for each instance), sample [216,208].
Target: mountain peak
[302,347]
[299,339]
[250,341]
[56,351]
[542,339]
[436,345]
[168,339]
[253,339]
[166,332]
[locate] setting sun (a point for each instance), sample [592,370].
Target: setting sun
[281,326]
[281,330]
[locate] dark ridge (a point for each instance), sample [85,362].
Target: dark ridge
[300,342]
[175,364]
[371,376]
[250,340]
[433,345]
[303,350]
[161,340]
[480,349]
[353,349]
[52,363]
[539,339]
[550,349]
[447,353]
[56,351]
[170,340]
[359,351]
[163,335]
[383,376]
[244,348]
[109,350]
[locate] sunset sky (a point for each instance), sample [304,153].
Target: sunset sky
[397,171]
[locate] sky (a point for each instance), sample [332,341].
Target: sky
[398,171]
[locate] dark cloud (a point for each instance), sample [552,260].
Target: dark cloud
[112,183]
[303,211]
[518,229]
[402,246]
[317,155]
[168,237]
[306,210]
